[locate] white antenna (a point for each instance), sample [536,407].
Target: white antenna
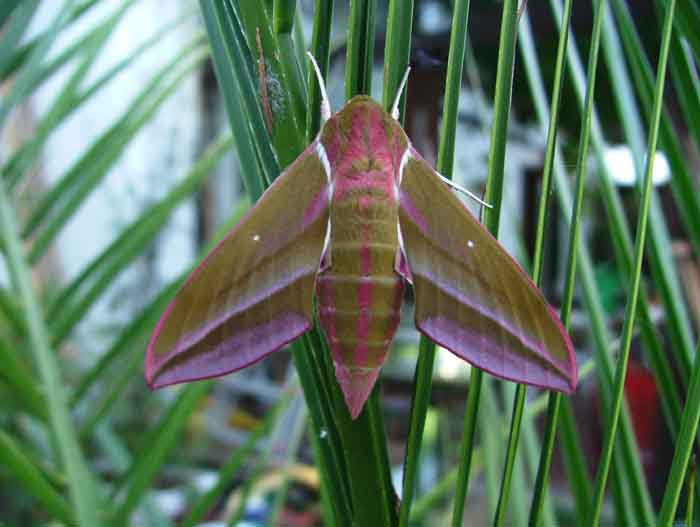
[395,106]
[325,103]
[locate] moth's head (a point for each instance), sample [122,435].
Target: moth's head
[357,119]
[361,104]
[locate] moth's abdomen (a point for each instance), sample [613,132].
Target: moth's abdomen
[359,315]
[359,296]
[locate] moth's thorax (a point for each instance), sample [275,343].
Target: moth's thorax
[364,145]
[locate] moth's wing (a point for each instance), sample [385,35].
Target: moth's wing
[471,296]
[254,292]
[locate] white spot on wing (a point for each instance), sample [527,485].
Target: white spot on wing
[470,244]
[256,238]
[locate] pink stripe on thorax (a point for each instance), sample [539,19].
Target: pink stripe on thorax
[367,140]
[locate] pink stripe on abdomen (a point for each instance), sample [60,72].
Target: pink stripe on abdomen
[364,294]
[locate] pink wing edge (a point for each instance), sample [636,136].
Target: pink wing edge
[567,388]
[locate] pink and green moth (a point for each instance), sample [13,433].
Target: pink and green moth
[357,216]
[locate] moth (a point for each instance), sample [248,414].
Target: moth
[338,236]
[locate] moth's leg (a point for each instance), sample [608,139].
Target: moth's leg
[463,190]
[325,103]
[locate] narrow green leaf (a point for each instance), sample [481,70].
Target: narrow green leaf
[207,500]
[97,151]
[273,69]
[684,189]
[47,68]
[491,443]
[632,468]
[422,383]
[80,481]
[575,464]
[11,34]
[687,22]
[85,289]
[300,46]
[660,254]
[446,485]
[316,383]
[327,509]
[252,171]
[129,370]
[126,340]
[493,195]
[11,311]
[683,447]
[293,439]
[501,110]
[7,9]
[23,385]
[511,455]
[89,170]
[321,50]
[397,51]
[145,321]
[30,477]
[364,446]
[685,81]
[283,15]
[72,96]
[23,83]
[611,424]
[400,27]
[494,183]
[155,448]
[234,68]
[555,399]
[360,49]
[691,495]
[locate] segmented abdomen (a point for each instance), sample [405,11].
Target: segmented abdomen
[359,296]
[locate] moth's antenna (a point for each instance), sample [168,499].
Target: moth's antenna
[395,106]
[463,190]
[325,103]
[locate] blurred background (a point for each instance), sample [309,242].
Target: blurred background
[120,168]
